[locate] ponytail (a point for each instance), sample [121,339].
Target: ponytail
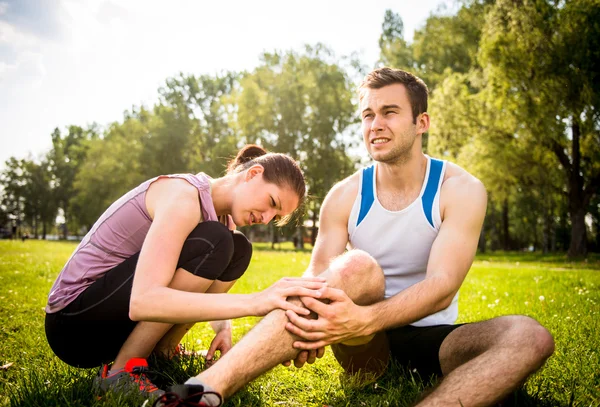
[245,155]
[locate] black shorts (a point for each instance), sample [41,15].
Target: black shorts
[92,329]
[415,348]
[418,348]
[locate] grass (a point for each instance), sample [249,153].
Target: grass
[564,296]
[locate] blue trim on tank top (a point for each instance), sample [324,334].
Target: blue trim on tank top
[435,171]
[367,197]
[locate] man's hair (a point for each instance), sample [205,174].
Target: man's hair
[415,87]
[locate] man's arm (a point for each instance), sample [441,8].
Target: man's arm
[451,257]
[333,225]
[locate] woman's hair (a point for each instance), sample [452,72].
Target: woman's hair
[279,169]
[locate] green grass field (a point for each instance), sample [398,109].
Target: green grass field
[562,295]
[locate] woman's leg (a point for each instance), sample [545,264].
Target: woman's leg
[205,255]
[96,327]
[242,253]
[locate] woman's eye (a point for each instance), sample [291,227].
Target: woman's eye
[272,202]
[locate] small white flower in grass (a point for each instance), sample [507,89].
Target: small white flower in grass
[497,300]
[483,297]
[542,298]
[526,302]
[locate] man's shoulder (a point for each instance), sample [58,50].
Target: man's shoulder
[462,190]
[342,195]
[457,177]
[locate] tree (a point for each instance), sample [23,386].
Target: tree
[394,50]
[111,168]
[541,59]
[65,158]
[302,105]
[13,181]
[205,110]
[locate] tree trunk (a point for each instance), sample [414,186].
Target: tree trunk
[299,237]
[43,230]
[578,245]
[577,201]
[481,243]
[505,231]
[65,228]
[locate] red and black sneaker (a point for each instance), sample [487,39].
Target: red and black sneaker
[132,378]
[187,395]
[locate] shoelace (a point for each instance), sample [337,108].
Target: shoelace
[173,400]
[140,373]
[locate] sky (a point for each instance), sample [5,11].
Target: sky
[65,62]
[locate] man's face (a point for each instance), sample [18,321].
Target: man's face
[387,123]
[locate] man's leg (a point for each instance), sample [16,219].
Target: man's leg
[270,344]
[484,362]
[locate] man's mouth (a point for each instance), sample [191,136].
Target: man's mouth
[380,140]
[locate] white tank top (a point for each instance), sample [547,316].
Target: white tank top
[401,241]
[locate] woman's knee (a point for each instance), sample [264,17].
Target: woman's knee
[240,260]
[208,250]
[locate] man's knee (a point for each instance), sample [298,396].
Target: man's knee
[526,335]
[359,275]
[533,335]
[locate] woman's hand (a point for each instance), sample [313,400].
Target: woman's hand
[221,342]
[306,356]
[275,297]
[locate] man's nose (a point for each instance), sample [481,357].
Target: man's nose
[377,123]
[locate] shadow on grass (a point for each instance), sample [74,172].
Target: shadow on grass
[400,387]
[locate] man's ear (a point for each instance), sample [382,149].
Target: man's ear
[254,171]
[422,123]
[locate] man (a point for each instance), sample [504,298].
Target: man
[413,223]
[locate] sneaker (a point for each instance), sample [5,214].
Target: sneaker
[133,377]
[185,395]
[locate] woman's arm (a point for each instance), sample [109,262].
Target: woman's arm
[175,209]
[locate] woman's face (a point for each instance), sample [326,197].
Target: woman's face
[258,201]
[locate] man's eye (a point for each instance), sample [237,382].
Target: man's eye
[272,202]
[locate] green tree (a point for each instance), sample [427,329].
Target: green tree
[38,194]
[301,104]
[111,168]
[204,109]
[394,50]
[12,181]
[65,158]
[541,62]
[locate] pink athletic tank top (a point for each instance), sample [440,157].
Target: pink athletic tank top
[117,235]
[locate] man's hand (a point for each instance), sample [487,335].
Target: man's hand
[339,321]
[221,342]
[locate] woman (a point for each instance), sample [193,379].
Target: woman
[159,260]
